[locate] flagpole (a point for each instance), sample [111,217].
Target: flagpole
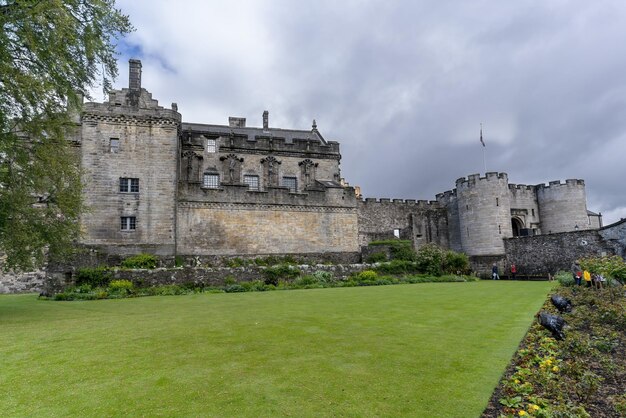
[483,144]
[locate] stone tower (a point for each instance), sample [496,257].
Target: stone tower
[562,207]
[484,212]
[129,150]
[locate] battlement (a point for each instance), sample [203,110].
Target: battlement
[521,187]
[428,204]
[558,183]
[472,179]
[447,195]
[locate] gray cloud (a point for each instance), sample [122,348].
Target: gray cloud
[404,86]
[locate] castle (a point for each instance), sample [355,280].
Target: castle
[154,183]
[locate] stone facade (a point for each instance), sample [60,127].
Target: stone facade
[157,184]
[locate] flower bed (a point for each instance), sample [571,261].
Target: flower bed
[584,375]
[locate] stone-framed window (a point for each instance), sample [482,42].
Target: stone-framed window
[114,145]
[252,181]
[128,223]
[129,185]
[211,145]
[291,183]
[211,180]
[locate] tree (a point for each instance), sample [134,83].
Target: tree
[51,53]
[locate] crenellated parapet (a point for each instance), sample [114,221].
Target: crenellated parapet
[473,179]
[419,204]
[558,184]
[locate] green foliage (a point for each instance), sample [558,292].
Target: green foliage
[430,259]
[323,276]
[94,277]
[565,278]
[273,260]
[611,267]
[400,249]
[454,262]
[141,261]
[179,261]
[397,267]
[377,257]
[51,53]
[280,272]
[121,286]
[236,262]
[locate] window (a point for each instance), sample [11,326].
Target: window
[211,180]
[252,182]
[211,145]
[291,183]
[114,144]
[128,223]
[129,185]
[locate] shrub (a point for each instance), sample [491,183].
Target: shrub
[94,277]
[565,278]
[235,262]
[610,266]
[121,286]
[454,262]
[323,276]
[179,261]
[234,288]
[141,261]
[281,271]
[377,257]
[400,249]
[429,259]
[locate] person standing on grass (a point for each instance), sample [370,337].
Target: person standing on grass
[587,277]
[494,272]
[577,272]
[513,271]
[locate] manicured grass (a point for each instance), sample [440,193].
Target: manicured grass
[424,350]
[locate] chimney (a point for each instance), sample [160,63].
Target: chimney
[266,120]
[235,122]
[134,75]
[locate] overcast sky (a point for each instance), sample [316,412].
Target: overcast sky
[404,85]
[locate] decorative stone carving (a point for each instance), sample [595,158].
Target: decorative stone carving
[270,170]
[231,168]
[307,171]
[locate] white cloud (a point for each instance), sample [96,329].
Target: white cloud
[404,86]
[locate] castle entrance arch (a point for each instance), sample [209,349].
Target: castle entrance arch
[517,226]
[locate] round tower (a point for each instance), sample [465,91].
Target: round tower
[484,213]
[562,207]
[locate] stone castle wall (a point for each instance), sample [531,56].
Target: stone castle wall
[420,221]
[147,151]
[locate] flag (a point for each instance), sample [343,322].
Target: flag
[481,135]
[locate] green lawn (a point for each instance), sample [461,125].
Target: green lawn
[423,350]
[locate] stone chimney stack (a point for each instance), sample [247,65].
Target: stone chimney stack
[266,120]
[134,75]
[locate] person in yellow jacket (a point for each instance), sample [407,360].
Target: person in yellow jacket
[587,277]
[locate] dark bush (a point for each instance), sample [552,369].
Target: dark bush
[400,249]
[454,262]
[94,277]
[141,261]
[280,272]
[377,257]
